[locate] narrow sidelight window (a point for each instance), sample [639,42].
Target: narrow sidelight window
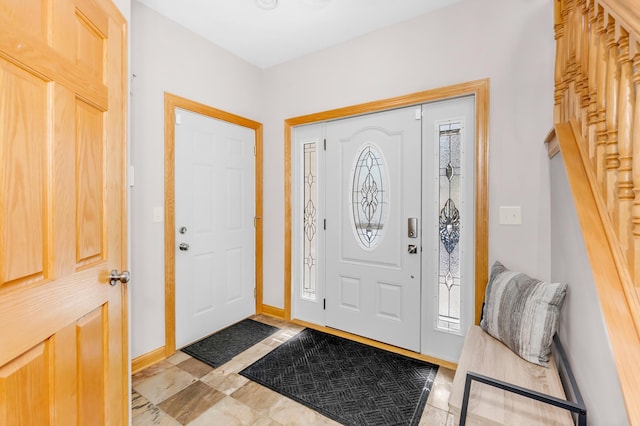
[449,136]
[310,256]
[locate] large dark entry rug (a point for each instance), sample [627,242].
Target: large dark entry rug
[223,345]
[347,381]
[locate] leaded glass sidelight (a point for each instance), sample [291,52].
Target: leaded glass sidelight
[310,257]
[449,274]
[369,197]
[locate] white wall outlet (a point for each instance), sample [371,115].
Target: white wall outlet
[510,215]
[158,214]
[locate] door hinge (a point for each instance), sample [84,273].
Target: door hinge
[324,226]
[324,304]
[255,221]
[255,151]
[254,293]
[419,114]
[325,144]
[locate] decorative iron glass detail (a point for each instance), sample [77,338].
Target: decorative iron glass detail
[449,274]
[310,222]
[368,197]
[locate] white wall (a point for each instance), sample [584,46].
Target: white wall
[510,42]
[167,57]
[582,329]
[125,8]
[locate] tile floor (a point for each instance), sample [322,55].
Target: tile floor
[184,391]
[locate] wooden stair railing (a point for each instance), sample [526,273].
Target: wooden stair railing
[597,96]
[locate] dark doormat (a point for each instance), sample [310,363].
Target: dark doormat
[223,345]
[347,381]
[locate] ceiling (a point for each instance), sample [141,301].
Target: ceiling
[291,30]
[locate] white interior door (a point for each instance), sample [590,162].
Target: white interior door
[214,217]
[373,180]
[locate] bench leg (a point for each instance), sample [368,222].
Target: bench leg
[465,400]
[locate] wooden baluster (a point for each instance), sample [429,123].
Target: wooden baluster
[611,150]
[626,100]
[584,71]
[601,90]
[572,61]
[570,52]
[635,138]
[576,26]
[566,59]
[592,115]
[558,27]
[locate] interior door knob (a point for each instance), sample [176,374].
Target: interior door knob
[116,276]
[183,247]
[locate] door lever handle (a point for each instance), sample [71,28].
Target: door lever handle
[412,249]
[183,247]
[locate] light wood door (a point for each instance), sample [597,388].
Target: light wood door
[214,217]
[63,333]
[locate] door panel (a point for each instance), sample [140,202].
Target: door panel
[23,196]
[63,340]
[373,187]
[215,203]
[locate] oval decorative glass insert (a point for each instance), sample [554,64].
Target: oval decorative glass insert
[369,197]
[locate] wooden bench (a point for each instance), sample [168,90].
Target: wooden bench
[510,390]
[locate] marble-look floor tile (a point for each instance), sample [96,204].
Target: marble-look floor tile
[289,412]
[144,413]
[266,319]
[195,367]
[161,386]
[228,412]
[257,397]
[253,354]
[439,395]
[191,402]
[265,421]
[150,371]
[178,357]
[445,375]
[279,338]
[433,416]
[233,366]
[226,382]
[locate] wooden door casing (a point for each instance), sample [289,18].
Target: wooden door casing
[63,339]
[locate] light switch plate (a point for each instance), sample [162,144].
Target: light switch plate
[158,214]
[510,215]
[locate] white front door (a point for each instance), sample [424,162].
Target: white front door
[214,217]
[373,181]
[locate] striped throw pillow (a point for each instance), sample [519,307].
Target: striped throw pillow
[522,312]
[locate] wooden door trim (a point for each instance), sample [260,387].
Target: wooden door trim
[479,88]
[171,102]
